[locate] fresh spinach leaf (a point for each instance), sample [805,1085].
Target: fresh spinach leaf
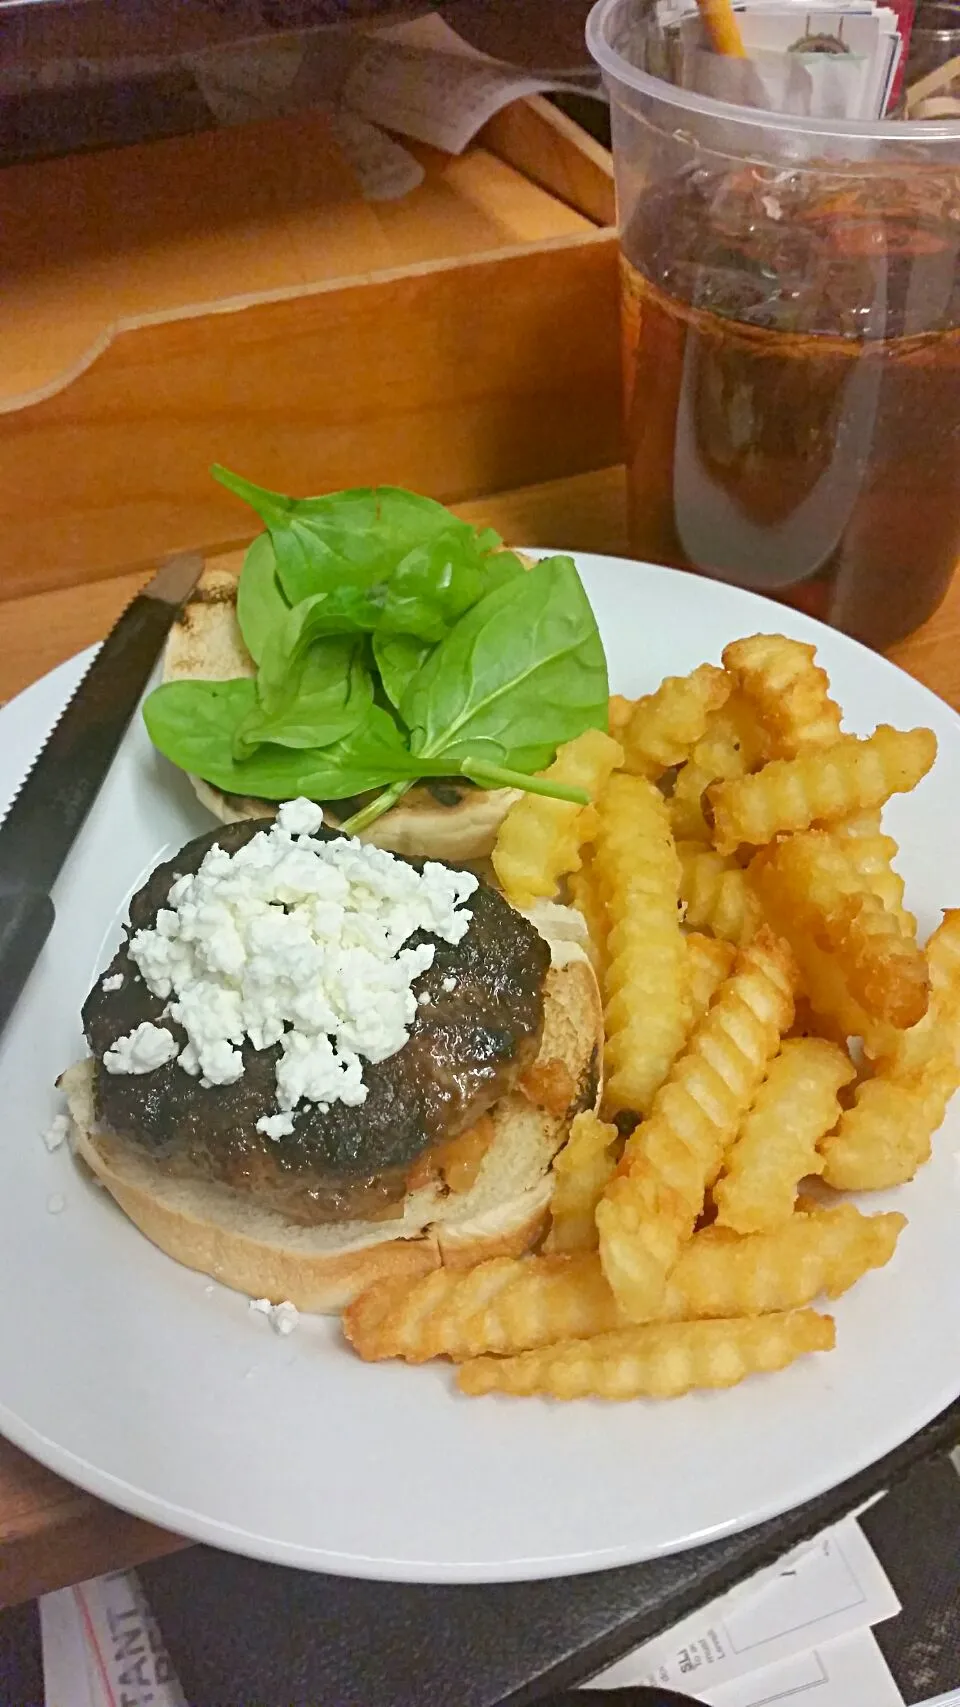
[438,581]
[523,669]
[398,657]
[358,536]
[261,606]
[193,723]
[330,691]
[323,620]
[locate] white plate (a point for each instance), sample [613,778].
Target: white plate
[150,1386]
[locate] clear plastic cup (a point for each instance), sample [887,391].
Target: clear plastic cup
[791,315]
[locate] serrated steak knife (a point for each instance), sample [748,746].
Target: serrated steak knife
[47,815]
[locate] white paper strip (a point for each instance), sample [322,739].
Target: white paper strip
[829,1589]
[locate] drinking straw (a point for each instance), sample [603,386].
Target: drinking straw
[722,28]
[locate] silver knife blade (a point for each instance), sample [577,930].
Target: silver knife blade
[45,817]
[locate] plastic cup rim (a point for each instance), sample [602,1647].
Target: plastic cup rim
[619,73]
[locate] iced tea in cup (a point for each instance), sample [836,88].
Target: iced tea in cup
[791,312]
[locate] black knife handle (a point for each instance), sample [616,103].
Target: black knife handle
[26,917]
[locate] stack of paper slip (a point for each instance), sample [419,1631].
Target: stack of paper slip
[812,60]
[800,1629]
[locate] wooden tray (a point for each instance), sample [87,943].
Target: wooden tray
[232,296]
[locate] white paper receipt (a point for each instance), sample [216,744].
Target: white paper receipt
[102,1648]
[816,1595]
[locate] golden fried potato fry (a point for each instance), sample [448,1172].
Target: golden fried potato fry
[790,691]
[806,883]
[776,1148]
[661,1361]
[666,725]
[943,958]
[820,1249]
[540,839]
[636,866]
[819,787]
[826,1005]
[620,712]
[585,896]
[887,1135]
[871,854]
[581,1172]
[732,746]
[504,1305]
[717,894]
[709,964]
[513,1304]
[652,1204]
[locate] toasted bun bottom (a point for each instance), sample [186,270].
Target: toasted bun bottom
[205,644]
[225,1234]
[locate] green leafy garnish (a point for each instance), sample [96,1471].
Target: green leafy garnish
[393,642]
[398,657]
[519,673]
[260,603]
[193,723]
[321,696]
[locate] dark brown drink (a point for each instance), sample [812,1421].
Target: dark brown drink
[792,365]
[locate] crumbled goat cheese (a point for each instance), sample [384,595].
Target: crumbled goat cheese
[142,1050]
[276,1125]
[57,1131]
[56,1203]
[283,1318]
[301,817]
[299,942]
[110,984]
[448,985]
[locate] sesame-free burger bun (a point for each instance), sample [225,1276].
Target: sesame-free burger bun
[256,1250]
[205,644]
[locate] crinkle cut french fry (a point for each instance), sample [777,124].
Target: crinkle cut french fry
[887,1135]
[585,896]
[732,745]
[581,1171]
[943,956]
[540,839]
[871,854]
[817,897]
[661,1361]
[789,689]
[709,965]
[503,1305]
[825,993]
[819,787]
[820,1249]
[652,1205]
[619,714]
[636,867]
[776,1148]
[513,1304]
[664,726]
[717,894]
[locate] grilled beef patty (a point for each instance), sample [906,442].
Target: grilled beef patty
[467,1046]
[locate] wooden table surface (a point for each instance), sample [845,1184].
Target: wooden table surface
[51,1533]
